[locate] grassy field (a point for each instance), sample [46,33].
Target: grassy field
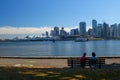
[22,73]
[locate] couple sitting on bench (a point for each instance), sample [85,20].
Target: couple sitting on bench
[92,60]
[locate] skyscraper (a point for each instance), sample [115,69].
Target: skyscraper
[47,34]
[111,31]
[99,30]
[105,30]
[74,32]
[82,27]
[94,27]
[115,31]
[63,32]
[90,32]
[55,32]
[118,30]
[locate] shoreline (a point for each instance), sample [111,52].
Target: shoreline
[51,57]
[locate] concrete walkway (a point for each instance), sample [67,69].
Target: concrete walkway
[40,63]
[112,61]
[44,63]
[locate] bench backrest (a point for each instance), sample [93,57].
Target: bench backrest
[72,61]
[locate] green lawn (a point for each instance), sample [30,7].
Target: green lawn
[12,73]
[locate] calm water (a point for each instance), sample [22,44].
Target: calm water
[60,48]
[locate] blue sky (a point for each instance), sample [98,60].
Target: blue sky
[67,13]
[57,12]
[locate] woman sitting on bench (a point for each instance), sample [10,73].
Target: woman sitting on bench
[83,60]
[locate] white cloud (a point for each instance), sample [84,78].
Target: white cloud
[23,30]
[10,31]
[30,30]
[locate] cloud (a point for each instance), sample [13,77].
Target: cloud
[23,30]
[30,30]
[11,31]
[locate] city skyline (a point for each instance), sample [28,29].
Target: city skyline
[21,16]
[97,30]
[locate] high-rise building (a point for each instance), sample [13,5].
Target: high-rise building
[47,34]
[99,30]
[52,33]
[105,30]
[63,32]
[90,32]
[74,32]
[94,27]
[55,32]
[111,31]
[115,31]
[82,27]
[118,30]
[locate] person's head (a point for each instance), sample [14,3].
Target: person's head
[84,54]
[93,54]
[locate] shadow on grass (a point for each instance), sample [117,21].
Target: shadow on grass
[13,73]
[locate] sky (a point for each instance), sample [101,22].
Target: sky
[33,17]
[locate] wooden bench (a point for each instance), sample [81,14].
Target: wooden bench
[75,62]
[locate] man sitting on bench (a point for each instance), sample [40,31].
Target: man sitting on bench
[93,60]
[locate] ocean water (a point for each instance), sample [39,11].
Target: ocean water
[107,48]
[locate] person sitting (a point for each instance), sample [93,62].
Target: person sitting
[83,60]
[93,60]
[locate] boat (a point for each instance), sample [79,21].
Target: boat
[81,39]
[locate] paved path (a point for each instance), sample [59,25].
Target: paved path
[112,61]
[41,63]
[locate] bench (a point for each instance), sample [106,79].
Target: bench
[75,62]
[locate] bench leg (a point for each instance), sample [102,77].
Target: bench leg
[100,64]
[71,63]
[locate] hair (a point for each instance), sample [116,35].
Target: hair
[93,54]
[84,54]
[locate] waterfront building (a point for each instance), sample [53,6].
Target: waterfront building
[115,31]
[111,31]
[94,27]
[90,32]
[118,30]
[55,32]
[74,32]
[99,29]
[82,27]
[52,33]
[63,32]
[43,35]
[105,30]
[47,34]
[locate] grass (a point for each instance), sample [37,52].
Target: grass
[22,73]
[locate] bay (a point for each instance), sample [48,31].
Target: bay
[106,48]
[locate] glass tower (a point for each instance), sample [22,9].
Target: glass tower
[82,27]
